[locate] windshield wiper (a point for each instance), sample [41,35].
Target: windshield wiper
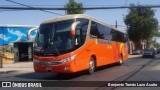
[51,38]
[47,49]
[49,44]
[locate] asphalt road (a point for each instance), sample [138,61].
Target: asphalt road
[134,69]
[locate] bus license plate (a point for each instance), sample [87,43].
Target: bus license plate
[48,68]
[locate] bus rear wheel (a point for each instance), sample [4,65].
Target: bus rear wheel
[92,66]
[121,60]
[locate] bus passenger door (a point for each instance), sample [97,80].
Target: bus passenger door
[80,44]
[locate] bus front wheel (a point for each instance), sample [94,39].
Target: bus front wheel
[92,65]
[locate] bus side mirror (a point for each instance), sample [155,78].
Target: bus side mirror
[29,32]
[73,28]
[73,32]
[28,37]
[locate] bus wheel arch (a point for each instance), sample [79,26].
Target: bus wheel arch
[92,64]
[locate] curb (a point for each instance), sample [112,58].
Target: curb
[134,56]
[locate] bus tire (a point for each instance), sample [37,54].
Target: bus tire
[121,60]
[92,66]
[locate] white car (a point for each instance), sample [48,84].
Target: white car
[137,52]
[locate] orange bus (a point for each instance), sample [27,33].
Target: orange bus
[73,43]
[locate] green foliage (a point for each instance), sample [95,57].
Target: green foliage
[142,25]
[73,4]
[157,34]
[155,44]
[158,45]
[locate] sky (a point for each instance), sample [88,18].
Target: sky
[36,17]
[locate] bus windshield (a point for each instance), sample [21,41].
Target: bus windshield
[54,38]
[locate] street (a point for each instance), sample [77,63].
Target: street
[134,69]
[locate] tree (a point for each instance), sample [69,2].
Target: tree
[142,25]
[73,4]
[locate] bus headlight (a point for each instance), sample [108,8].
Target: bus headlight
[68,59]
[35,61]
[54,62]
[38,62]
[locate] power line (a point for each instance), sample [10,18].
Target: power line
[61,5]
[32,7]
[10,10]
[85,8]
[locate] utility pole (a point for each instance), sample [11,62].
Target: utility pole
[116,24]
[65,10]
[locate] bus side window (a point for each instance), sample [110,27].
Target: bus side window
[84,32]
[113,32]
[118,36]
[105,32]
[81,32]
[94,30]
[77,38]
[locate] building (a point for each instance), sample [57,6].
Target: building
[10,34]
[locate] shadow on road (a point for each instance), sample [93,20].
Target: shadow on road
[74,76]
[50,76]
[54,76]
[148,70]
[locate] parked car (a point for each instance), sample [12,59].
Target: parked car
[137,52]
[151,52]
[158,51]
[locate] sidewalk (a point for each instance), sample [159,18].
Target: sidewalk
[134,56]
[27,66]
[17,67]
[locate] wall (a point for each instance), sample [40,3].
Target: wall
[11,34]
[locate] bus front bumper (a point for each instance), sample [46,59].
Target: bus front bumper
[67,67]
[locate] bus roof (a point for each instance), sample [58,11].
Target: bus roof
[72,16]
